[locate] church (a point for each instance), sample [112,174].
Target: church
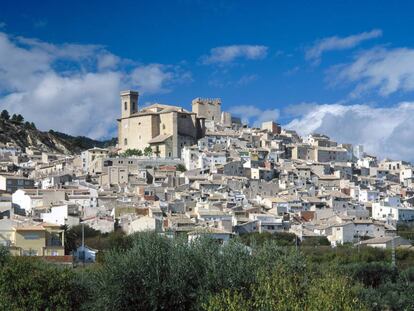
[166,129]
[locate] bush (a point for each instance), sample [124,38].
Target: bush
[158,273]
[30,284]
[181,168]
[132,152]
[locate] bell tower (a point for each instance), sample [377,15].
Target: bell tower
[129,103]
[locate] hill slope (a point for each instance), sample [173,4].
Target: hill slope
[26,135]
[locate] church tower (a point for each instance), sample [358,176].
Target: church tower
[129,103]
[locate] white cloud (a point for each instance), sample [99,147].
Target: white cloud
[385,70]
[252,114]
[315,52]
[384,131]
[72,88]
[227,54]
[155,78]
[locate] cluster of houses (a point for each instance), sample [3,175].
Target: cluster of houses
[206,174]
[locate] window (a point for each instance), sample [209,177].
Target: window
[31,236]
[125,141]
[125,105]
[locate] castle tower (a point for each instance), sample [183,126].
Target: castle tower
[209,108]
[129,103]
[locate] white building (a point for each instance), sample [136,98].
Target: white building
[210,160]
[144,223]
[366,195]
[190,157]
[268,223]
[391,210]
[88,156]
[60,215]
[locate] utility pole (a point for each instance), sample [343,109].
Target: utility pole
[359,242]
[83,243]
[393,263]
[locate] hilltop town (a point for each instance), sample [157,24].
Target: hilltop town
[198,173]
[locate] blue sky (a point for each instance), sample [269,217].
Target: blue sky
[342,67]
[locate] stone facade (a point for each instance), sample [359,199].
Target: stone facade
[165,128]
[208,108]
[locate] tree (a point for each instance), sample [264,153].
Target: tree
[45,286]
[18,118]
[287,283]
[316,241]
[181,168]
[132,152]
[4,255]
[148,151]
[73,236]
[30,125]
[5,115]
[158,273]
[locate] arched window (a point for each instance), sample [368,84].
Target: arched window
[125,141]
[125,105]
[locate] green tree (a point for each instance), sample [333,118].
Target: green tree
[30,284]
[73,236]
[5,115]
[316,241]
[148,151]
[285,282]
[333,292]
[158,273]
[18,118]
[4,255]
[132,152]
[181,168]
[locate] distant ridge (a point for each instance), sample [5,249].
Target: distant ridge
[25,134]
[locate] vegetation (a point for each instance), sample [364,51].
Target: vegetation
[24,134]
[406,231]
[95,239]
[5,115]
[82,142]
[279,238]
[181,168]
[132,152]
[17,118]
[150,272]
[27,283]
[148,151]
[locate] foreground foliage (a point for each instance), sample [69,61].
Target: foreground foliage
[151,272]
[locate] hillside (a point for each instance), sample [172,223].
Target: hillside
[25,134]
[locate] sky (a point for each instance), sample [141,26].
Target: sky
[342,68]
